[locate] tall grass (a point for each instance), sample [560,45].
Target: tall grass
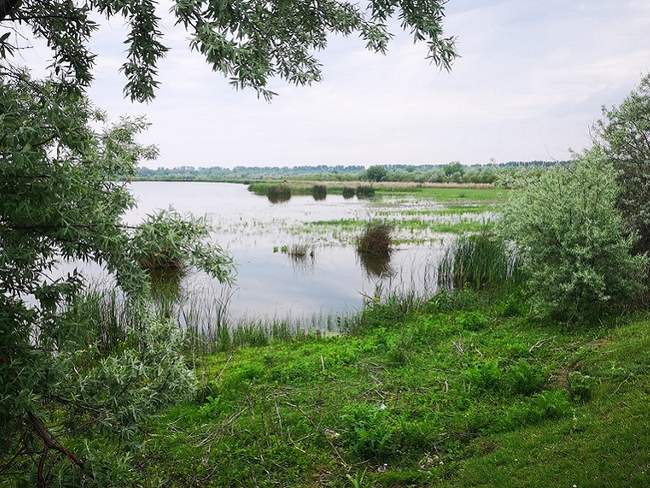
[478,261]
[319,192]
[348,192]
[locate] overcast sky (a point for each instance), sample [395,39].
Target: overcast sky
[530,83]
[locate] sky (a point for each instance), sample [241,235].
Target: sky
[529,84]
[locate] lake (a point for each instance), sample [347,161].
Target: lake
[310,291]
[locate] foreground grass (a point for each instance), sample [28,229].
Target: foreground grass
[461,390]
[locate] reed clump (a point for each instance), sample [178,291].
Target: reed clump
[376,240]
[478,261]
[365,191]
[348,192]
[278,193]
[319,192]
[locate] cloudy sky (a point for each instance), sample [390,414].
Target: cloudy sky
[530,83]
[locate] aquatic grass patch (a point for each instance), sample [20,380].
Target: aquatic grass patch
[278,193]
[479,261]
[453,227]
[376,239]
[348,192]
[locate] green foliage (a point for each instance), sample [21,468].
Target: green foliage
[123,388]
[169,242]
[375,173]
[523,378]
[624,134]
[349,192]
[249,43]
[474,321]
[572,241]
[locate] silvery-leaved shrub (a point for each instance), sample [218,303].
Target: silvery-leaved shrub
[127,386]
[573,242]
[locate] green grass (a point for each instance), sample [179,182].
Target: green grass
[459,194]
[450,194]
[461,390]
[408,224]
[446,210]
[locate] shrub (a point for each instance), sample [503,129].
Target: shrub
[349,192]
[319,192]
[375,173]
[166,244]
[376,239]
[477,261]
[571,237]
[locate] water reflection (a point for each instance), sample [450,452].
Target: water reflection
[376,264]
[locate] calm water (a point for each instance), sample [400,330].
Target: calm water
[269,284]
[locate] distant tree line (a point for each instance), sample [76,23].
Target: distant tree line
[435,173]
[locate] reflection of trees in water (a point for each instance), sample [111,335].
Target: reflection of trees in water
[166,288]
[302,256]
[376,264]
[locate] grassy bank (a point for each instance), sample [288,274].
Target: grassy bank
[459,390]
[433,191]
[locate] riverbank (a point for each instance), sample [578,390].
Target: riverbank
[458,390]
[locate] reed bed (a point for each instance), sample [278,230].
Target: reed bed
[478,261]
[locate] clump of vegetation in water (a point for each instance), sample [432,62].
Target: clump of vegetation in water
[477,261]
[376,264]
[365,191]
[167,243]
[278,193]
[376,240]
[319,192]
[349,192]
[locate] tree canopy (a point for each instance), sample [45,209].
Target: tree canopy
[247,41]
[63,174]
